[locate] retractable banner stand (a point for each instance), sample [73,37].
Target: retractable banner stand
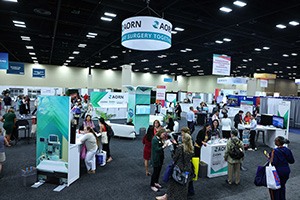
[161,94]
[221,65]
[171,98]
[284,111]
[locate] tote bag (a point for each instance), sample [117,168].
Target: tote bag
[104,138]
[273,181]
[83,152]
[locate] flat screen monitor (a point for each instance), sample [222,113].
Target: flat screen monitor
[205,109]
[53,138]
[266,119]
[233,101]
[142,110]
[278,121]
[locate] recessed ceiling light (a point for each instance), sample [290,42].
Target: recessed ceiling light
[123,51]
[71,57]
[26,38]
[250,59]
[294,23]
[275,63]
[188,74]
[200,70]
[65,63]
[76,52]
[266,48]
[280,72]
[196,66]
[290,73]
[174,32]
[295,67]
[131,63]
[33,58]
[219,41]
[227,39]
[68,61]
[14,1]
[114,68]
[20,25]
[36,62]
[173,64]
[196,60]
[262,69]
[288,67]
[294,73]
[191,60]
[187,49]
[257,49]
[146,68]
[225,9]
[183,51]
[285,55]
[154,72]
[104,61]
[257,69]
[114,57]
[18,22]
[110,14]
[185,72]
[179,29]
[29,47]
[92,66]
[280,26]
[239,3]
[136,70]
[157,66]
[179,68]
[97,63]
[201,74]
[166,70]
[106,19]
[82,45]
[90,33]
[32,53]
[145,60]
[245,60]
[294,54]
[270,64]
[244,66]
[90,36]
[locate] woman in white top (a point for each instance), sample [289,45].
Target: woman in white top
[91,144]
[226,126]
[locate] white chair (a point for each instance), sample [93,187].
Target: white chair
[176,127]
[122,130]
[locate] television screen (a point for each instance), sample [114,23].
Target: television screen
[53,138]
[142,110]
[233,101]
[266,119]
[278,121]
[258,119]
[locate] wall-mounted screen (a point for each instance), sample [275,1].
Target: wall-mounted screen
[266,119]
[278,121]
[233,101]
[142,110]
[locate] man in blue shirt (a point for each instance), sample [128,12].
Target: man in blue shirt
[190,118]
[252,129]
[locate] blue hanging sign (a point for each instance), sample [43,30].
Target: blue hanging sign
[38,73]
[168,80]
[15,68]
[3,60]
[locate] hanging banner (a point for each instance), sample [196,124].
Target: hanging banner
[146,33]
[171,98]
[15,68]
[221,65]
[232,81]
[3,60]
[169,80]
[196,101]
[263,83]
[284,111]
[264,76]
[161,94]
[109,99]
[38,73]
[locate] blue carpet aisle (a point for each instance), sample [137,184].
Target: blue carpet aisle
[124,178]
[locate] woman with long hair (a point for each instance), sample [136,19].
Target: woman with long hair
[92,144]
[103,128]
[88,122]
[9,120]
[182,158]
[202,138]
[215,131]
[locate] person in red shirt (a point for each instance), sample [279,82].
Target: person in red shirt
[247,118]
[86,97]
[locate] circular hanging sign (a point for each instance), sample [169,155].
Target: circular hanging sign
[146,33]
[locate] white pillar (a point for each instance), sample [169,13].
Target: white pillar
[126,75]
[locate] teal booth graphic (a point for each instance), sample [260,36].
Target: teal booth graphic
[3,60]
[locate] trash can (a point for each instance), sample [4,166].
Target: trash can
[142,131]
[29,176]
[202,170]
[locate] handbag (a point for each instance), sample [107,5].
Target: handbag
[179,176]
[168,172]
[104,138]
[273,181]
[260,177]
[83,152]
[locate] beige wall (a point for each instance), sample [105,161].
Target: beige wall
[286,87]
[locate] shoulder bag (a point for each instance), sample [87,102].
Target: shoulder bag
[179,176]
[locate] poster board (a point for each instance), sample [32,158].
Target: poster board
[221,65]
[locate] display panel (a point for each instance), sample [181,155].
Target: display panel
[233,101]
[142,110]
[266,119]
[278,121]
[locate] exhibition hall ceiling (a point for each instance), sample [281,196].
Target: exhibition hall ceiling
[261,36]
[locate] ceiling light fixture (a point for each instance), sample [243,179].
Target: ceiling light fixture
[18,22]
[146,68]
[114,68]
[266,48]
[90,36]
[225,9]
[110,14]
[257,49]
[82,45]
[13,1]
[154,72]
[179,29]
[275,63]
[280,26]
[97,63]
[245,60]
[32,53]
[104,61]
[29,47]
[227,39]
[114,57]
[71,57]
[183,51]
[95,34]
[270,64]
[285,55]
[294,23]
[239,3]
[219,41]
[68,61]
[179,68]
[295,67]
[145,60]
[250,59]
[187,49]
[288,67]
[166,70]
[34,58]
[294,54]
[106,19]
[131,63]
[20,25]
[174,32]
[76,52]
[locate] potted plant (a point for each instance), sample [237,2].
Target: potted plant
[165,117]
[105,116]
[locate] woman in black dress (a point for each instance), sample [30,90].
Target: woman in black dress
[202,138]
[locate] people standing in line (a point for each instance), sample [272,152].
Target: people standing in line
[157,157]
[215,131]
[190,118]
[103,128]
[147,139]
[130,122]
[9,120]
[226,126]
[252,128]
[178,111]
[280,158]
[202,138]
[88,122]
[7,102]
[91,144]
[215,116]
[234,165]
[3,143]
[247,118]
[182,158]
[239,120]
[170,123]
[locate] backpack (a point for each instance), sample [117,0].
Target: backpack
[237,151]
[109,131]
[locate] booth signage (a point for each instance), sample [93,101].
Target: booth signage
[232,81]
[168,80]
[146,33]
[221,65]
[38,73]
[15,68]
[109,99]
[297,81]
[3,60]
[264,76]
[263,83]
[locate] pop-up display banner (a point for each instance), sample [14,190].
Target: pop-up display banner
[221,65]
[146,33]
[161,94]
[109,99]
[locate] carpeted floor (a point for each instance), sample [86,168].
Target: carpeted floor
[124,178]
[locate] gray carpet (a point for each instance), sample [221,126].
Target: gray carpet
[124,177]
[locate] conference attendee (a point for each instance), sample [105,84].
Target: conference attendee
[280,158]
[9,119]
[170,123]
[35,106]
[226,126]
[88,122]
[215,116]
[225,109]
[239,120]
[147,139]
[90,110]
[234,164]
[3,142]
[157,157]
[0,105]
[103,128]
[247,118]
[215,131]
[27,99]
[91,144]
[86,97]
[202,138]
[130,122]
[7,102]
[182,159]
[178,111]
[252,128]
[190,118]
[170,109]
[217,108]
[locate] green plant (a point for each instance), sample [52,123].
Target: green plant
[4,92]
[105,116]
[165,117]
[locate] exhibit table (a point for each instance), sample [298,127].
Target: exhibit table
[270,133]
[213,156]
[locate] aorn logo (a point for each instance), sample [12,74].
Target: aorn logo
[155,25]
[163,26]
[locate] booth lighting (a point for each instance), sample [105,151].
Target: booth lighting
[294,23]
[225,9]
[110,14]
[106,19]
[280,26]
[239,3]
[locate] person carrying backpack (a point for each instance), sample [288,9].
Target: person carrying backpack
[234,155]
